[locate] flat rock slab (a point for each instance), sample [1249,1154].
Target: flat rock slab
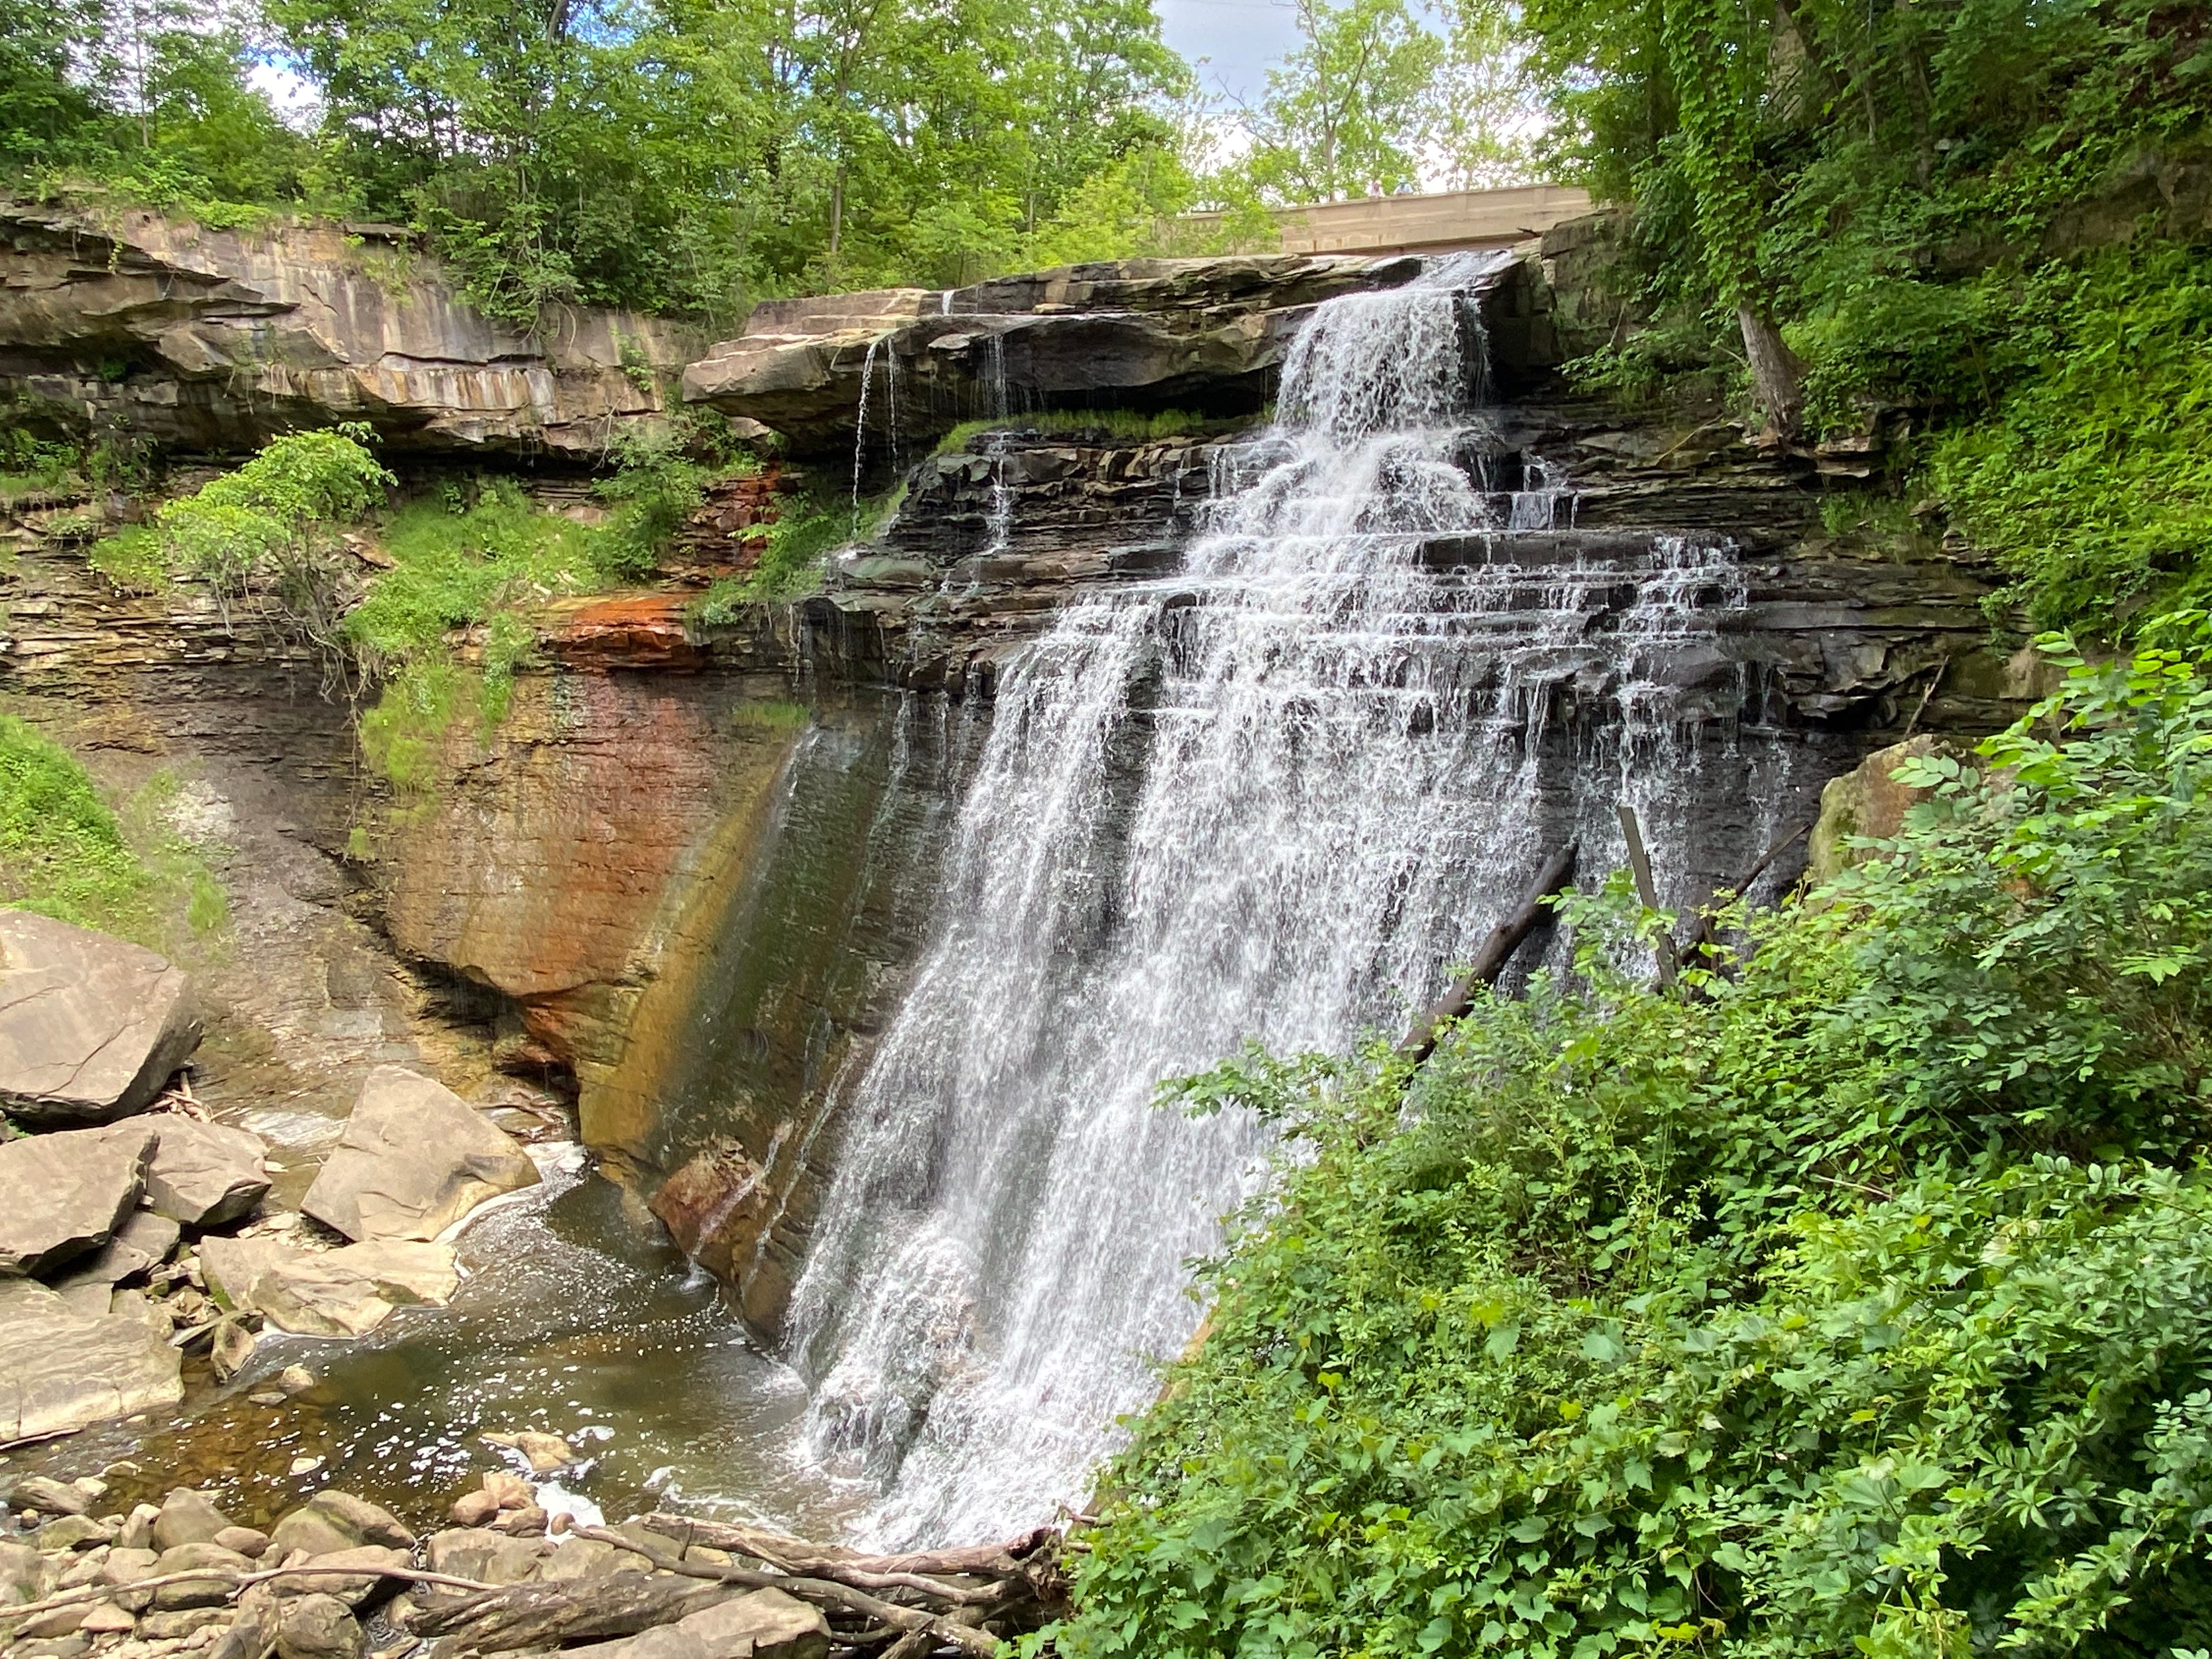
[414,1159]
[64,1195]
[765,1625]
[140,1244]
[61,1371]
[91,1026]
[348,1291]
[205,1174]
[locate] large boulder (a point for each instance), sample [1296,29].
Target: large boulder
[205,1174]
[142,1243]
[91,1026]
[342,1292]
[64,1195]
[414,1159]
[1868,803]
[764,1624]
[60,1369]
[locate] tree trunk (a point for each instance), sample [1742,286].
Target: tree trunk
[1775,371]
[1490,960]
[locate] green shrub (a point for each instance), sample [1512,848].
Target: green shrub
[64,852]
[403,733]
[797,553]
[2090,474]
[1858,1302]
[1121,425]
[130,560]
[456,563]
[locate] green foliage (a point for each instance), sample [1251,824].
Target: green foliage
[1116,425]
[132,560]
[456,562]
[274,520]
[1855,1304]
[1950,211]
[657,484]
[30,466]
[1342,113]
[404,733]
[64,852]
[2091,475]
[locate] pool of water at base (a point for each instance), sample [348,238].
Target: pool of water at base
[567,1320]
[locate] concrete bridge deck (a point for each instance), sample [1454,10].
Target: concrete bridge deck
[1433,223]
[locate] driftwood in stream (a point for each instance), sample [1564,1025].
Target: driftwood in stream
[534,1615]
[963,1599]
[1490,960]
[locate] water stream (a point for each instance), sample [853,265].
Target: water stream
[1273,798]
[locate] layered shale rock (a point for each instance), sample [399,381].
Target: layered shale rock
[195,339]
[1126,334]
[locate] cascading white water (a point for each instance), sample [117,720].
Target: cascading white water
[1273,799]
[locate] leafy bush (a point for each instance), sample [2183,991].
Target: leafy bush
[272,525]
[2091,475]
[656,486]
[805,532]
[1858,1301]
[456,561]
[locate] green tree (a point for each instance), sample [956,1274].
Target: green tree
[1346,112]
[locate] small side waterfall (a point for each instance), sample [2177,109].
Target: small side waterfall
[1273,797]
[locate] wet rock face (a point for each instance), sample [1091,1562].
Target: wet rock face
[217,340]
[1131,334]
[994,541]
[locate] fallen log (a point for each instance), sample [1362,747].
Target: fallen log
[541,1614]
[1013,1559]
[1646,891]
[822,1592]
[1490,960]
[796,1555]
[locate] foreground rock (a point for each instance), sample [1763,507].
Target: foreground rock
[343,1292]
[765,1625]
[414,1159]
[60,1369]
[656,1587]
[205,1174]
[142,1243]
[1868,803]
[91,1026]
[63,1195]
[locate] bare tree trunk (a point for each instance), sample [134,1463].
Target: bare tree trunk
[1775,371]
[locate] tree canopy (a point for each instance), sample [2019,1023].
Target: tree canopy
[678,156]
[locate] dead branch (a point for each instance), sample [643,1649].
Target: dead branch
[1490,960]
[821,1592]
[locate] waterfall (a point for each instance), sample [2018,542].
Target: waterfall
[1273,797]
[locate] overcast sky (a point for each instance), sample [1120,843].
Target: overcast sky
[1238,38]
